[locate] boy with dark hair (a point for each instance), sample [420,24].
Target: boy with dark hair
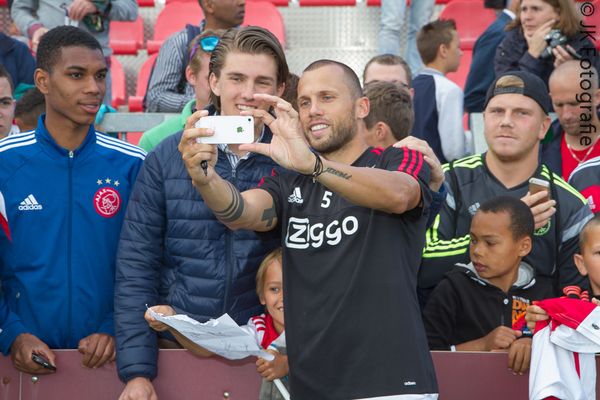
[477,307]
[390,117]
[28,109]
[63,183]
[439,123]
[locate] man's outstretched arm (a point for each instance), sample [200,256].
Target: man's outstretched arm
[390,191]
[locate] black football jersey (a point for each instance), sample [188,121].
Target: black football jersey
[353,325]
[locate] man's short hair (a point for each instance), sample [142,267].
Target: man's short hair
[4,74]
[392,104]
[390,59]
[249,40]
[348,74]
[521,219]
[30,106]
[51,44]
[432,36]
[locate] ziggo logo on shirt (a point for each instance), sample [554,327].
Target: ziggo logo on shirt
[301,234]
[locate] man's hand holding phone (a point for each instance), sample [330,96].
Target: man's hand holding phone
[29,354]
[197,156]
[539,200]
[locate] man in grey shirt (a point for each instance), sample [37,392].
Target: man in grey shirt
[35,17]
[168,91]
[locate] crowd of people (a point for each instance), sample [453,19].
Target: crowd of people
[452,253]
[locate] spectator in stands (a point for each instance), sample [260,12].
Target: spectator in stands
[330,275]
[573,137]
[390,117]
[389,123]
[525,47]
[439,122]
[18,61]
[515,121]
[196,74]
[481,73]
[168,90]
[211,270]
[35,17]
[390,68]
[7,104]
[392,21]
[29,108]
[267,328]
[479,306]
[61,296]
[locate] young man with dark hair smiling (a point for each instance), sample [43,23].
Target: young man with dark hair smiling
[65,188]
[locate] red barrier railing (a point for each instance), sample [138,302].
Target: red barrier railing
[182,376]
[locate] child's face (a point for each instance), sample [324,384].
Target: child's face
[588,262]
[272,295]
[494,251]
[454,53]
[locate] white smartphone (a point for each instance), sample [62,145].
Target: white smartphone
[229,129]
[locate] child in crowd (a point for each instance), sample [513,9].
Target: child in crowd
[588,264]
[439,122]
[268,328]
[588,259]
[477,307]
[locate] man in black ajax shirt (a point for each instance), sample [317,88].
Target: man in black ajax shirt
[352,222]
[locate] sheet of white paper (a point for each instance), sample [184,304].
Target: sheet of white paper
[221,336]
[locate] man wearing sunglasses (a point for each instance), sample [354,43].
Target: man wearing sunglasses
[172,249]
[196,75]
[168,90]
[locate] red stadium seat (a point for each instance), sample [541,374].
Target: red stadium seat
[118,85]
[135,102]
[471,20]
[171,19]
[177,14]
[126,37]
[460,77]
[3,3]
[312,3]
[145,3]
